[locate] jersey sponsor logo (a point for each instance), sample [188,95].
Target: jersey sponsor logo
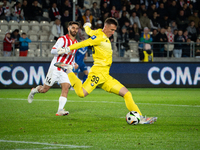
[93,37]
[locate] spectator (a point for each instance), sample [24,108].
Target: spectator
[175,32]
[192,31]
[182,21]
[123,19]
[123,38]
[178,47]
[66,18]
[26,10]
[187,48]
[37,12]
[145,21]
[137,10]
[198,29]
[161,37]
[185,35]
[173,26]
[113,11]
[164,23]
[135,19]
[56,30]
[17,12]
[6,8]
[54,12]
[135,32]
[24,45]
[154,34]
[78,14]
[197,47]
[7,45]
[190,10]
[162,11]
[66,6]
[195,18]
[102,3]
[151,10]
[127,26]
[180,4]
[99,24]
[143,8]
[2,14]
[172,11]
[117,4]
[170,38]
[15,35]
[155,21]
[104,17]
[105,9]
[87,17]
[145,38]
[96,12]
[186,10]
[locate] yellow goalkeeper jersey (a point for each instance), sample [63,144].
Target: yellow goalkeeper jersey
[101,47]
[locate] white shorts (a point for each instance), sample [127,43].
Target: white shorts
[54,75]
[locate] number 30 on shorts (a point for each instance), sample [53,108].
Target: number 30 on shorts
[95,79]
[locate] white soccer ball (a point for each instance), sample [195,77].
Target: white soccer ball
[133,118]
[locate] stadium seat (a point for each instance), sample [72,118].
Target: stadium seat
[33,37]
[3,22]
[33,46]
[24,22]
[43,32]
[2,36]
[12,4]
[31,32]
[44,23]
[31,53]
[16,52]
[46,28]
[13,22]
[13,27]
[45,46]
[34,23]
[4,27]
[25,28]
[37,52]
[35,28]
[46,14]
[52,23]
[44,37]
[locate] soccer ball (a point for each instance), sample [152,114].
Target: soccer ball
[133,118]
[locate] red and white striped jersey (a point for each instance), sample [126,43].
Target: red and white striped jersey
[65,41]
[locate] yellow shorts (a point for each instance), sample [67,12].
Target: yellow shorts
[103,80]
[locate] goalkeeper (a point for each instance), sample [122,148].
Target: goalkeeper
[99,72]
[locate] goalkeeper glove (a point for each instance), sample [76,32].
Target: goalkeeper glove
[63,50]
[87,24]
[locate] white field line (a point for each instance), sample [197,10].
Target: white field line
[48,144]
[21,99]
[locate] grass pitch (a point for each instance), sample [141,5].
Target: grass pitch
[98,120]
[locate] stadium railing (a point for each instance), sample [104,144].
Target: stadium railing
[160,49]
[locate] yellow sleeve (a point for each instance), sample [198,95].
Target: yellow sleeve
[94,40]
[89,31]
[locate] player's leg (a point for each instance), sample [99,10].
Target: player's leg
[74,80]
[114,86]
[39,89]
[63,99]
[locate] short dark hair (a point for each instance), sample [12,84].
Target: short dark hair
[23,33]
[73,22]
[111,21]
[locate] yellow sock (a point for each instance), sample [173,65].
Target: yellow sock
[130,104]
[76,83]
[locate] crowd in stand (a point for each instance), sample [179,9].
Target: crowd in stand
[139,20]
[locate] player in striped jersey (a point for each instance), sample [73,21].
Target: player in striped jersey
[56,74]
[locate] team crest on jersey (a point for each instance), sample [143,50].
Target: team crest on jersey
[93,37]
